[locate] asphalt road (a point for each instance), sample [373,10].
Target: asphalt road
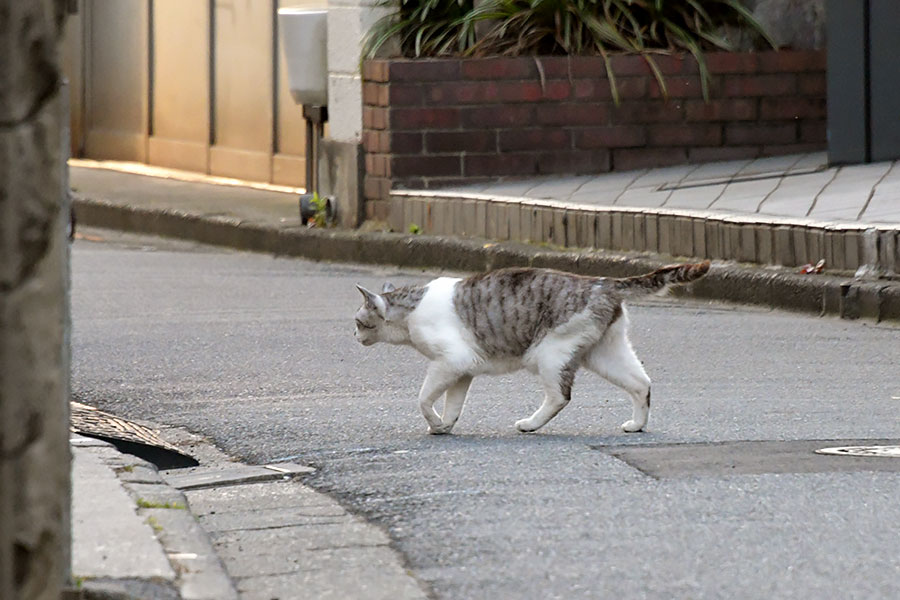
[257,354]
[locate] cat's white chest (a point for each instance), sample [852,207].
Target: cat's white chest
[435,330]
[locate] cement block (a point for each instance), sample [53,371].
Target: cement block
[480,227]
[651,232]
[470,226]
[801,249]
[835,256]
[542,226]
[732,241]
[572,228]
[428,216]
[887,251]
[490,225]
[765,244]
[666,234]
[586,229]
[640,232]
[628,226]
[684,236]
[815,243]
[617,236]
[783,251]
[699,226]
[747,249]
[559,226]
[852,240]
[604,230]
[396,216]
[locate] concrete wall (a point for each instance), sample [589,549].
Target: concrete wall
[34,321]
[198,85]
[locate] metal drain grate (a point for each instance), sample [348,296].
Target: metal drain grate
[865,451]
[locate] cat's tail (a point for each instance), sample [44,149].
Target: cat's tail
[662,278]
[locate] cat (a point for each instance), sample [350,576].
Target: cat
[548,322]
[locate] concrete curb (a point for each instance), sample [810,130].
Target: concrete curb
[198,572]
[819,294]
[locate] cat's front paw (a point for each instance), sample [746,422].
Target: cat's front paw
[439,429]
[631,427]
[525,426]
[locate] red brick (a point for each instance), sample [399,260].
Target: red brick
[678,87]
[571,114]
[588,66]
[791,108]
[614,136]
[534,139]
[371,93]
[461,141]
[760,133]
[424,118]
[554,67]
[500,68]
[573,162]
[556,90]
[811,84]
[695,134]
[647,112]
[760,85]
[404,142]
[722,153]
[405,94]
[438,69]
[497,116]
[813,131]
[377,165]
[731,62]
[378,210]
[375,117]
[627,159]
[628,88]
[425,166]
[375,70]
[519,91]
[461,92]
[376,187]
[780,149]
[629,64]
[521,163]
[792,61]
[732,109]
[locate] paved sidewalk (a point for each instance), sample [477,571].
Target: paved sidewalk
[219,531]
[800,186]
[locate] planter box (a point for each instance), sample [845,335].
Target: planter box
[433,122]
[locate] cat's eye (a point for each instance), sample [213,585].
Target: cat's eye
[362,325]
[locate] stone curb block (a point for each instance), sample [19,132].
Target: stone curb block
[819,294]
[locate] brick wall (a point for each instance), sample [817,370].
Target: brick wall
[429,123]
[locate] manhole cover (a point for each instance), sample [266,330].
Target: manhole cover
[890,451]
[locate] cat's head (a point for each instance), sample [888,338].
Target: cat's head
[373,319]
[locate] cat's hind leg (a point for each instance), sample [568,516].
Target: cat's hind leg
[438,379]
[614,359]
[453,404]
[557,393]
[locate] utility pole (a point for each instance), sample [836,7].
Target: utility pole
[34,315]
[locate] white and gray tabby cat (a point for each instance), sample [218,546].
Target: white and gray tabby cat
[549,322]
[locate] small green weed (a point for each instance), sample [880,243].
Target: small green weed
[148,504]
[154,524]
[414,229]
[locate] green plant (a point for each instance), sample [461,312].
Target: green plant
[320,204]
[154,524]
[148,504]
[565,27]
[414,229]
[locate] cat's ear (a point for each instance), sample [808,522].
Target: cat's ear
[373,301]
[387,287]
